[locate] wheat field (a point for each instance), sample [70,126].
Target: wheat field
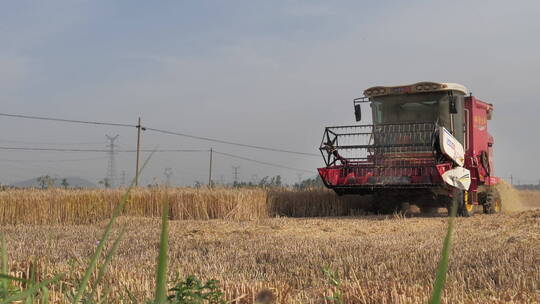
[59,206]
[254,241]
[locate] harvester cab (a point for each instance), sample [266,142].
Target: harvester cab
[426,144]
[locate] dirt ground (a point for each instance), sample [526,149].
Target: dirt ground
[377,259]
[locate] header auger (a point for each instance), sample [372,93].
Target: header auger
[428,144]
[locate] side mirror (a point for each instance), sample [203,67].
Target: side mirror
[452,104]
[357,112]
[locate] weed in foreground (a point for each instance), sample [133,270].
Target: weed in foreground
[193,291]
[333,280]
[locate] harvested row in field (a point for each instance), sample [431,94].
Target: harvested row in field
[314,203]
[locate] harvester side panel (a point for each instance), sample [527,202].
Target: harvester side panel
[478,143]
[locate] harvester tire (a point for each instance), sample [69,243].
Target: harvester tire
[493,203]
[464,208]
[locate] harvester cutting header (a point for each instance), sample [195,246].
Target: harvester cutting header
[428,144]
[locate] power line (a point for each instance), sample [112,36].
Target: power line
[230,142]
[51,149]
[51,160]
[159,131]
[166,162]
[262,162]
[149,150]
[50,143]
[96,150]
[69,120]
[165,150]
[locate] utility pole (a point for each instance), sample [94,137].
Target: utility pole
[235,174]
[111,169]
[511,180]
[124,178]
[168,173]
[138,152]
[210,170]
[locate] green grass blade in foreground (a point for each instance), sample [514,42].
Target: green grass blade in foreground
[30,291]
[442,269]
[108,259]
[106,233]
[45,295]
[5,287]
[11,278]
[31,283]
[161,273]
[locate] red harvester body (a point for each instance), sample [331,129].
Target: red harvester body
[419,135]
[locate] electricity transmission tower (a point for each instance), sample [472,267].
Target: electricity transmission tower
[168,173]
[235,174]
[111,168]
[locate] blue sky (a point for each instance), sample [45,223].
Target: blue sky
[269,73]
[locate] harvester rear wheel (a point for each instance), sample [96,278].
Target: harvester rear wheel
[493,203]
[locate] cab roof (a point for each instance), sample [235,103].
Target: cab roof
[419,87]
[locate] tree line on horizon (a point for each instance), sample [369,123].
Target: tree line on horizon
[47,182]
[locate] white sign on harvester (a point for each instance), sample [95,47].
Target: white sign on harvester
[451,147]
[458,177]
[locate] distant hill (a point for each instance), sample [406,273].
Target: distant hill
[73,182]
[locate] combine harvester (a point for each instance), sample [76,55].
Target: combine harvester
[428,144]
